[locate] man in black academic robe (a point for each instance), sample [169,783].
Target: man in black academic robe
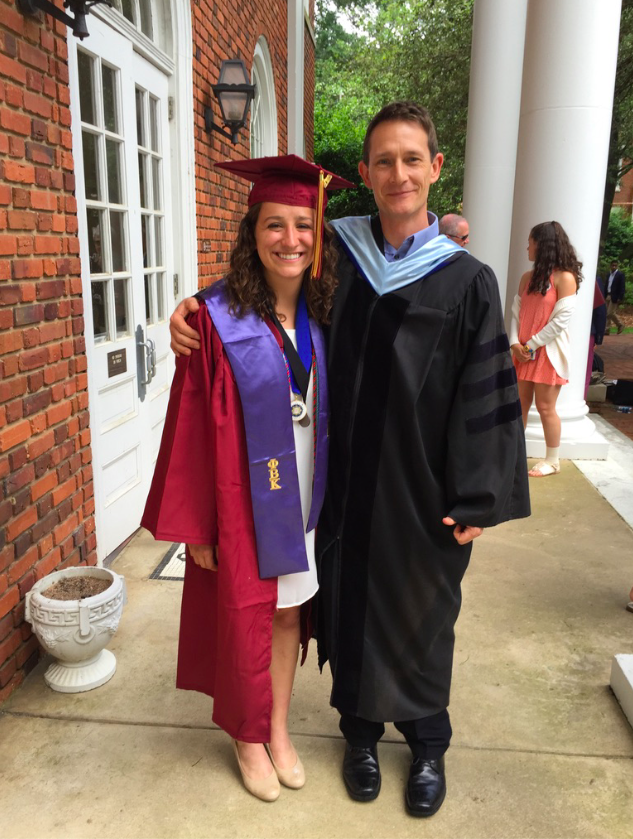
[426,449]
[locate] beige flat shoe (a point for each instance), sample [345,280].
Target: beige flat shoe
[266,789]
[293,778]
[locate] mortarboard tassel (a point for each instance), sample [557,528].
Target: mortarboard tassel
[324,180]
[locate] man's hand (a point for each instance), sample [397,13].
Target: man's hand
[519,352]
[206,556]
[183,337]
[463,533]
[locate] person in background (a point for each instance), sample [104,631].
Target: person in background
[240,475]
[614,294]
[539,332]
[598,327]
[456,228]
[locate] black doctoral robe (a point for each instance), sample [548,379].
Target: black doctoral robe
[425,422]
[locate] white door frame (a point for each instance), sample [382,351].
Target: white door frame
[182,164]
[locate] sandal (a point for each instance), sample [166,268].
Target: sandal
[629,607]
[542,469]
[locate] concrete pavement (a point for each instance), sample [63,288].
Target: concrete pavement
[541,747]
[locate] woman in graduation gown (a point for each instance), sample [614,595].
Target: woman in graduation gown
[240,474]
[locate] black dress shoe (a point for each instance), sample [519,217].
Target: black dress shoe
[426,787]
[361,772]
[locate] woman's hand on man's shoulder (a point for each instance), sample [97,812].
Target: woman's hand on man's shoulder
[183,337]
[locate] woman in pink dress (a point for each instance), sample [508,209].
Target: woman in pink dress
[539,335]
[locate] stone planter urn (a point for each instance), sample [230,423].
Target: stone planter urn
[75,632]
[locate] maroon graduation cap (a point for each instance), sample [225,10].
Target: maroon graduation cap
[289,179]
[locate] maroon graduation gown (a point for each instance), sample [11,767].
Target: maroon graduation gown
[201,486]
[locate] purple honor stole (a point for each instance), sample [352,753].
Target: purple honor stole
[262,381]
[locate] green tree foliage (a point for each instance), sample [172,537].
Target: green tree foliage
[618,245]
[621,144]
[418,50]
[342,108]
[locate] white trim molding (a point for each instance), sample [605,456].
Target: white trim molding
[296,71]
[263,139]
[183,150]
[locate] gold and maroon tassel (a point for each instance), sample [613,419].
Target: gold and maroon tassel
[317,262]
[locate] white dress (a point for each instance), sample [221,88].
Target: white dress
[294,589]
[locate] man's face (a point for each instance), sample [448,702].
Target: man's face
[614,266]
[400,171]
[463,233]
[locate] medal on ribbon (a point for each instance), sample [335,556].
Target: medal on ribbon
[298,361]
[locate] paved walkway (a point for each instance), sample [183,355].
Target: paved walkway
[541,747]
[617,354]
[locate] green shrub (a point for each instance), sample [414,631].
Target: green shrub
[619,246]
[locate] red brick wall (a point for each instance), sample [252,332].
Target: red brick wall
[221,199]
[46,485]
[46,490]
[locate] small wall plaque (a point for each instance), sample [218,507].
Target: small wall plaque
[117,363]
[206,246]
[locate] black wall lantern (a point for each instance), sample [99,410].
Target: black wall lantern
[79,8]
[235,94]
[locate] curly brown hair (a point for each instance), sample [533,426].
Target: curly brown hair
[554,252]
[246,285]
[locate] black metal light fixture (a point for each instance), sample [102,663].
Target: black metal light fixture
[235,94]
[79,9]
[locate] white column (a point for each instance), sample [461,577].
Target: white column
[494,101]
[296,143]
[571,49]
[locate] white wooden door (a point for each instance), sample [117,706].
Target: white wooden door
[122,159]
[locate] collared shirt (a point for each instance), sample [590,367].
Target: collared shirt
[412,243]
[610,283]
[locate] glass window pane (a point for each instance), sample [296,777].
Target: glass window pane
[85,69]
[148,299]
[114,172]
[233,105]
[127,7]
[146,18]
[160,296]
[117,231]
[145,236]
[140,122]
[142,182]
[153,122]
[95,240]
[158,205]
[90,146]
[158,240]
[121,307]
[100,310]
[109,98]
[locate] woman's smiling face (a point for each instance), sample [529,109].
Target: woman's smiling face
[284,237]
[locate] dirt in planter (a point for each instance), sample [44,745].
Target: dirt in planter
[76,588]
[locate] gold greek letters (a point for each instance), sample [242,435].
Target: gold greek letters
[273,473]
